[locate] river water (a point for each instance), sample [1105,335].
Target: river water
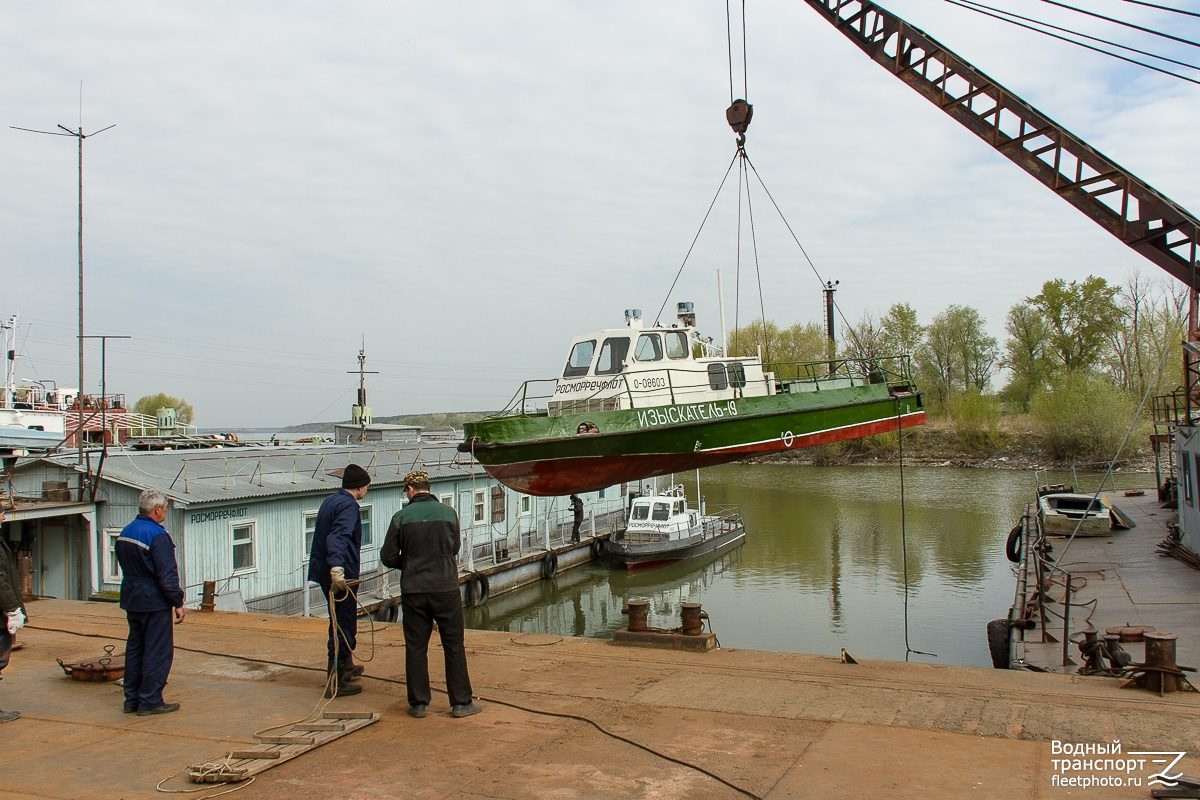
[823,566]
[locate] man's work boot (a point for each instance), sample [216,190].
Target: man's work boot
[338,682]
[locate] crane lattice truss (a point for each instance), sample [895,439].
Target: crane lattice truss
[1116,200]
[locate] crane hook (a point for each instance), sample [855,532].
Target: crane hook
[738,116]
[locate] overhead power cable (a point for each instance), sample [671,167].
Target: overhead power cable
[1077,33]
[1164,8]
[1074,42]
[1115,21]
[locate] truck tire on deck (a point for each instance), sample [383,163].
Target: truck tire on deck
[478,589]
[550,566]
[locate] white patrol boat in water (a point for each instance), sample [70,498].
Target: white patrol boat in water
[662,529]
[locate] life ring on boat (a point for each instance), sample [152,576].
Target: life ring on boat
[997,636]
[478,589]
[597,549]
[1012,548]
[550,565]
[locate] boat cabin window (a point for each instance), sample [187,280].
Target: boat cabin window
[612,356]
[580,359]
[676,344]
[662,512]
[641,511]
[716,377]
[678,507]
[649,348]
[737,374]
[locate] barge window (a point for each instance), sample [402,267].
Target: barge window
[112,569]
[677,345]
[649,348]
[1187,479]
[580,359]
[310,530]
[716,377]
[662,512]
[243,547]
[737,374]
[641,511]
[364,515]
[612,356]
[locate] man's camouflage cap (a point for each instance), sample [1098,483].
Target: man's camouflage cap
[415,477]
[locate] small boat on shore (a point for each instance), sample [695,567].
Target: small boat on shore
[642,401]
[663,529]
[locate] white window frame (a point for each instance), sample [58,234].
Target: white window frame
[479,507]
[112,569]
[526,505]
[447,499]
[369,510]
[252,524]
[306,540]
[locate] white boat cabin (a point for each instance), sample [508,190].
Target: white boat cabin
[643,367]
[661,518]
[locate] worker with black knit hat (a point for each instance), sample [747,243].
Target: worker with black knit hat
[334,560]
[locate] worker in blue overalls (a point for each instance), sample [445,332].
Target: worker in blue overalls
[153,603]
[335,559]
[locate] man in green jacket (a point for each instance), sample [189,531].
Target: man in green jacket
[422,542]
[12,610]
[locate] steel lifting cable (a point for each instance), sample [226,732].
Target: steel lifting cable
[908,649]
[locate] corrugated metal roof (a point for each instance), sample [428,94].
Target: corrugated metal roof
[192,477]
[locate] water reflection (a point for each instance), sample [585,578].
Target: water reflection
[822,567]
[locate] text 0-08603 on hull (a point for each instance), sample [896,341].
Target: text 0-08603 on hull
[636,402]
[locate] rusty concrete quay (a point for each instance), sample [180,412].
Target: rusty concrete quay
[566,718]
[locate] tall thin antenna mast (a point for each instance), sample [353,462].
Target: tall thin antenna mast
[80,136]
[361,412]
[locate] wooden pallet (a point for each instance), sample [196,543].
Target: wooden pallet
[282,745]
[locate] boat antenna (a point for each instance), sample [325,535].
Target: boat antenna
[79,136]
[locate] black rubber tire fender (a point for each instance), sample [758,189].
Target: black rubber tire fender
[597,549]
[550,565]
[997,636]
[478,589]
[1012,548]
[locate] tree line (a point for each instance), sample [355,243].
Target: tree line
[1077,357]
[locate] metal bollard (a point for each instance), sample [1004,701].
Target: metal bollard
[1160,655]
[209,600]
[693,619]
[637,611]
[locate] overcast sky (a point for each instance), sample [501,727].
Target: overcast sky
[469,184]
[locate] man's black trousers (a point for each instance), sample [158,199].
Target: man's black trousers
[421,611]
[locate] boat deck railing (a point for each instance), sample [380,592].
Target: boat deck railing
[648,388]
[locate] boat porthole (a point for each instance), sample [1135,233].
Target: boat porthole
[550,566]
[1012,548]
[478,589]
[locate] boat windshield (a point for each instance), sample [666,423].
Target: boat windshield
[641,511]
[679,507]
[677,344]
[580,359]
[662,512]
[649,348]
[612,356]
[716,377]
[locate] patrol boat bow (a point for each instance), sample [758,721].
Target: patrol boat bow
[636,402]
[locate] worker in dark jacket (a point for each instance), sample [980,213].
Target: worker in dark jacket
[334,561]
[577,516]
[422,542]
[151,597]
[12,610]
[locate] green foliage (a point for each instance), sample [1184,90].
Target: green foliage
[800,342]
[1079,317]
[976,420]
[150,404]
[1082,417]
[1026,355]
[957,354]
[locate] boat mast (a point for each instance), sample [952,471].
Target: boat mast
[10,353]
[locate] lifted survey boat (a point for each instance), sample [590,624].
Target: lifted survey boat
[636,402]
[662,529]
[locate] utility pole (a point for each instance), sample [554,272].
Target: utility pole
[360,413]
[79,136]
